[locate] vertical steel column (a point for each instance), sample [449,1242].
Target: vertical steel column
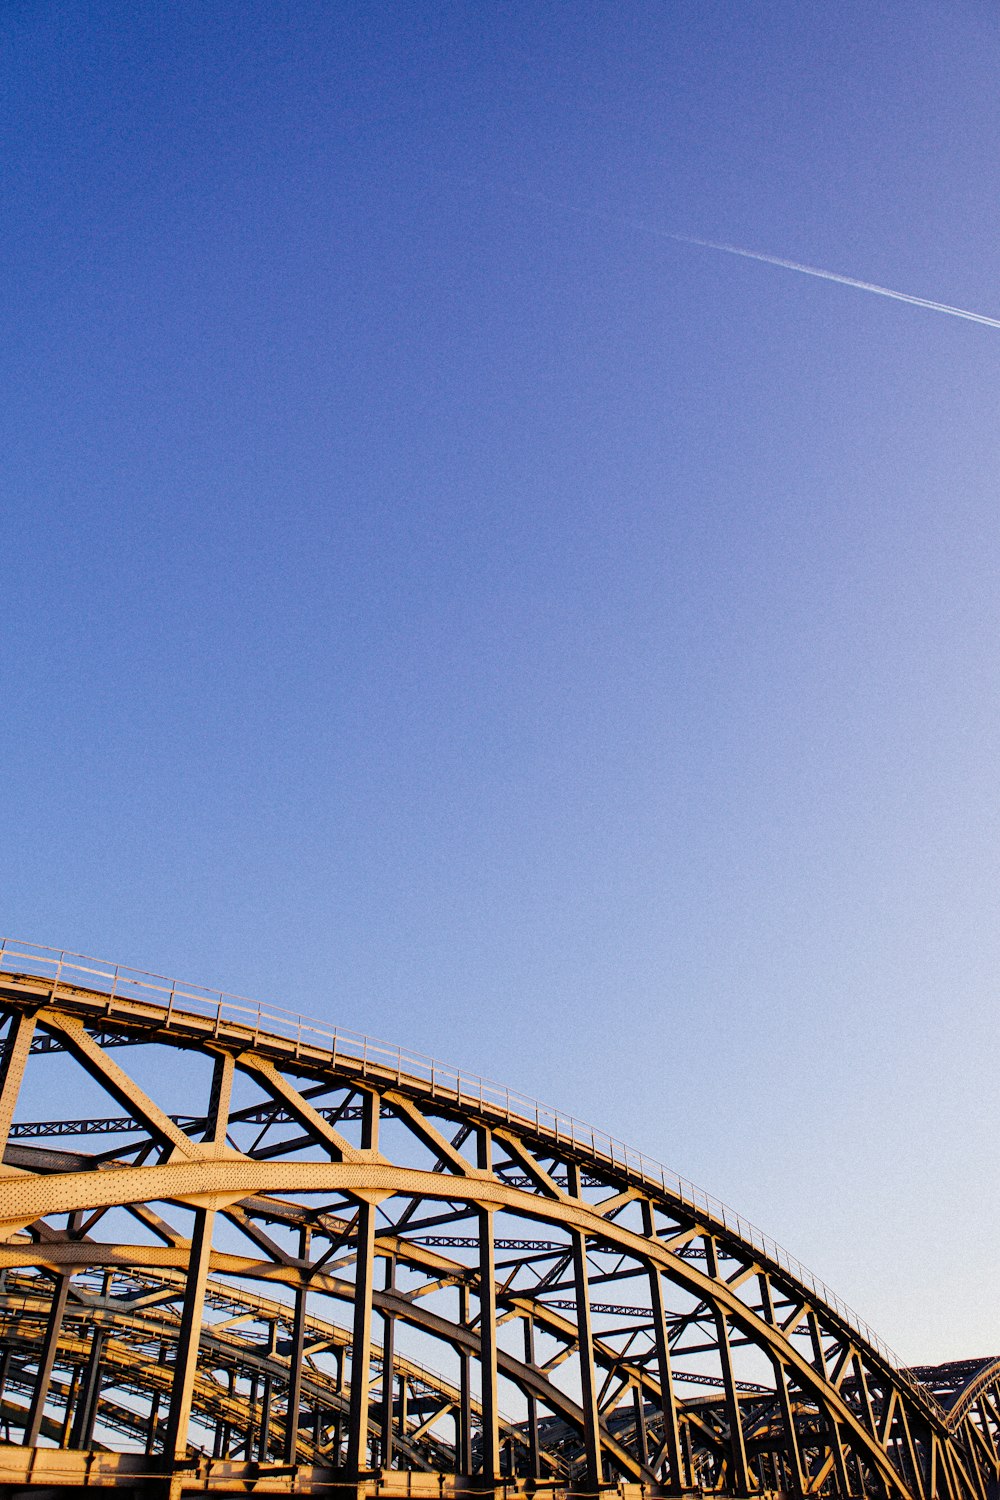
[585,1344]
[933,1465]
[186,1359]
[529,1359]
[741,1473]
[952,1477]
[264,1438]
[295,1353]
[793,1454]
[252,1408]
[17,1045]
[86,1410]
[689,1454]
[338,1421]
[33,1425]
[463,1417]
[199,1263]
[71,1393]
[361,1340]
[919,1478]
[152,1422]
[639,1413]
[388,1371]
[668,1401]
[217,1122]
[488,1322]
[836,1446]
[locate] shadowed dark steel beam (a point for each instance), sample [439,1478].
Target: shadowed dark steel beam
[492,1260]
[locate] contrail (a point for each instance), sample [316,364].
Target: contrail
[863,286]
[767,260]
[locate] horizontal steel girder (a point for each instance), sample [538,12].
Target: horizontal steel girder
[297,1147]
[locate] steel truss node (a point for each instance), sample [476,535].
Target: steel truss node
[342,1269]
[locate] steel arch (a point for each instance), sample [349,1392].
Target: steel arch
[159,1322]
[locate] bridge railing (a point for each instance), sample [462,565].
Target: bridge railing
[385,1060]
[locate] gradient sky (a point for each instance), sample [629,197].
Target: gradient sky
[439,603]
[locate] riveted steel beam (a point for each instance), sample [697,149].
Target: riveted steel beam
[840,1413]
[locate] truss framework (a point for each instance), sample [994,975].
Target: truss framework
[335,1271]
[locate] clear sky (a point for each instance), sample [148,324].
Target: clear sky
[438,602]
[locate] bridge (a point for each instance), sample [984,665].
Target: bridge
[242,1251]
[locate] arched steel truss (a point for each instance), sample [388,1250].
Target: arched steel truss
[345,1267]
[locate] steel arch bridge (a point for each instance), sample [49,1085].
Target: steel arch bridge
[241,1251]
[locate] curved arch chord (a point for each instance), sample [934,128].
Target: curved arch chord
[587,1289]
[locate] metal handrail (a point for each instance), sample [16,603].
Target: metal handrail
[443,1080]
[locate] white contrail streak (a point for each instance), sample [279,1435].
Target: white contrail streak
[863,286]
[767,260]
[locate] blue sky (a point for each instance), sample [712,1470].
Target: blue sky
[441,604]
